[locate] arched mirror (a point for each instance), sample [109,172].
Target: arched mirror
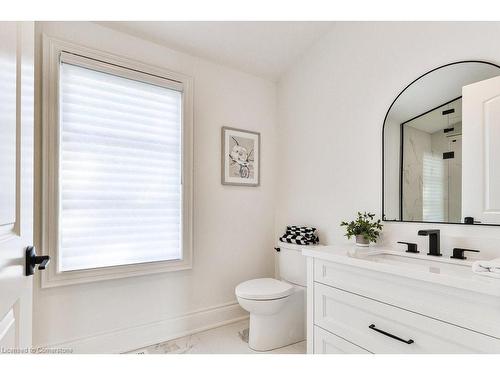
[443,129]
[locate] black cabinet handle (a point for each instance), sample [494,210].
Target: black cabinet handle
[372,326]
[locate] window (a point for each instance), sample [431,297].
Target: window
[433,188]
[120,186]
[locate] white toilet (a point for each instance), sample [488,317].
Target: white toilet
[277,307]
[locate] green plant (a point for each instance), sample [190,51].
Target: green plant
[364,225]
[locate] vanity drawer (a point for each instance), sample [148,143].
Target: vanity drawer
[328,343]
[357,319]
[463,308]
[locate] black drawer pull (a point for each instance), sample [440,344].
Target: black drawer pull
[372,326]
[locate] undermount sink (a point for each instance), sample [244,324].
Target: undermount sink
[417,261]
[442,270]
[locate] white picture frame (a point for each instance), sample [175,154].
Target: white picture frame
[240,154]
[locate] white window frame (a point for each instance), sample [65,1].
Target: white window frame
[52,51]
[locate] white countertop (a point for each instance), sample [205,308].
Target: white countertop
[439,270]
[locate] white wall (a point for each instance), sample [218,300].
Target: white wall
[233,226]
[331,106]
[392,160]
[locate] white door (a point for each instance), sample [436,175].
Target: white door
[16,181]
[481,151]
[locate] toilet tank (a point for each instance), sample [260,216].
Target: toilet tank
[292,264]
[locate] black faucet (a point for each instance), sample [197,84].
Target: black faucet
[434,241]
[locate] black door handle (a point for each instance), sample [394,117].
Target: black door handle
[45,261]
[32,260]
[372,326]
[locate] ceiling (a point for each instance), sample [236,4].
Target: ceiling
[437,87]
[435,121]
[265,49]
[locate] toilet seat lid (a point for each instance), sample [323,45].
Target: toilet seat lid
[263,289]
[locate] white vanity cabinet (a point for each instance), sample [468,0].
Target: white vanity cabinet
[326,342]
[360,306]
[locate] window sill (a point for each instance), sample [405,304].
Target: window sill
[51,278]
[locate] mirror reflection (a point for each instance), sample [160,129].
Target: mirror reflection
[423,145]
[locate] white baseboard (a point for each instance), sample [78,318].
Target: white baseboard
[132,338]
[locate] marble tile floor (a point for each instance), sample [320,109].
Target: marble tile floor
[228,339]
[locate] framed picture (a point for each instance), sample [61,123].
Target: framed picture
[240,157]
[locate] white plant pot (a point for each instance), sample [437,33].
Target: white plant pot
[361,241]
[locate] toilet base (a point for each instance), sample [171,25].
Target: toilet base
[268,332]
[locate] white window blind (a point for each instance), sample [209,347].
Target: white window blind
[433,194]
[120,163]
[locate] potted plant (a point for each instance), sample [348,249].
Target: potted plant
[365,228]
